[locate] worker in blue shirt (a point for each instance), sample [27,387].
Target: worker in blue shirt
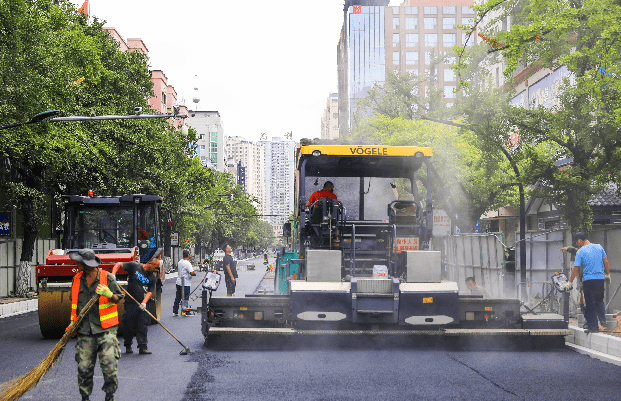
[595,271]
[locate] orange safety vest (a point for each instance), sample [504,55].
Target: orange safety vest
[108,314]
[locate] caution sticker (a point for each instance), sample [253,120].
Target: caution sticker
[488,308]
[428,300]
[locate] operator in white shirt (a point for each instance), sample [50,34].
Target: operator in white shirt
[185,271]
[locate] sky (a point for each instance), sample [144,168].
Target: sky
[266,66]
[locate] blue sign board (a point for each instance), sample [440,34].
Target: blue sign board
[5,225]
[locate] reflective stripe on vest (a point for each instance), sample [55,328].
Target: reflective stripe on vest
[108,313]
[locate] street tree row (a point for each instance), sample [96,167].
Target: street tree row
[52,57]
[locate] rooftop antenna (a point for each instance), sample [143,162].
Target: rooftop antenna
[196,99]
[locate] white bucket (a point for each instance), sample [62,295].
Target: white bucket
[380,271]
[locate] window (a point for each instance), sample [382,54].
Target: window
[466,10]
[395,58]
[449,39]
[213,136]
[448,92]
[395,10]
[411,10]
[449,75]
[202,146]
[427,60]
[412,71]
[411,39]
[467,21]
[431,39]
[448,23]
[411,23]
[411,58]
[395,40]
[431,23]
[448,9]
[464,39]
[395,23]
[430,10]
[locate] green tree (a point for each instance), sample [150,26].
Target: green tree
[583,125]
[470,180]
[51,58]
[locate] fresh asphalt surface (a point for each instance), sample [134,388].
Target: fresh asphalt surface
[316,369]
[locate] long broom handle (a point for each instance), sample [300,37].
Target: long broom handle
[154,318]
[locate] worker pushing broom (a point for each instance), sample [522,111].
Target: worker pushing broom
[96,329]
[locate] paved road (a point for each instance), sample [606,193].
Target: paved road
[326,369]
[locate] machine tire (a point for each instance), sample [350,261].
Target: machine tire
[54,308]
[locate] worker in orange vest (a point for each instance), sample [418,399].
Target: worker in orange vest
[97,331]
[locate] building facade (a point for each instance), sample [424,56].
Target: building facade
[211,143]
[279,196]
[330,118]
[165,95]
[269,175]
[414,37]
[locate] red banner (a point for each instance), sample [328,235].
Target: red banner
[357,9]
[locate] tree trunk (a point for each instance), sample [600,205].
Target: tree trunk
[31,229]
[22,285]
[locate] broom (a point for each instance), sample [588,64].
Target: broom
[18,387]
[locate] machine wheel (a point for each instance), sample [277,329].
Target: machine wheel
[54,312]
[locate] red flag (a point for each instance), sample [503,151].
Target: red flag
[85,9]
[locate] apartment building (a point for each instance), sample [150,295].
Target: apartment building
[247,155]
[165,95]
[269,175]
[279,196]
[330,118]
[211,143]
[414,37]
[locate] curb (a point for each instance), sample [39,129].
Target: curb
[17,308]
[597,345]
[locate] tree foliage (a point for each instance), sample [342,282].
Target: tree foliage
[582,126]
[51,57]
[471,180]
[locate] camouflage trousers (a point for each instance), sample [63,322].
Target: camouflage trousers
[106,345]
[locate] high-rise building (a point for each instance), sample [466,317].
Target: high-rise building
[211,141]
[330,118]
[413,37]
[269,175]
[279,197]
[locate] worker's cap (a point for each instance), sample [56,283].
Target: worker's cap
[186,253]
[579,235]
[85,256]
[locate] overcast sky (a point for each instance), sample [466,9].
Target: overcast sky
[266,66]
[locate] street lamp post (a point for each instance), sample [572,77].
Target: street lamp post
[43,116]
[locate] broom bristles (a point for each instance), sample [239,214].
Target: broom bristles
[15,388]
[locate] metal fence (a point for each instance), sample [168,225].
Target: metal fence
[11,252]
[482,256]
